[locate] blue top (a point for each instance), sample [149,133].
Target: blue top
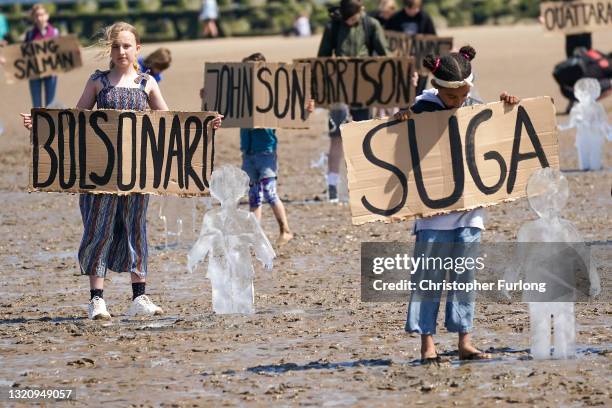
[4,27]
[147,70]
[257,141]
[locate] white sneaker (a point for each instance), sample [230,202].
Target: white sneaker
[142,305]
[97,309]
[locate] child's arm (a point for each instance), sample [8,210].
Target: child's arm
[156,100]
[88,98]
[263,249]
[204,243]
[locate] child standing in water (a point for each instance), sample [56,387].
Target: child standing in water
[259,161]
[41,30]
[459,232]
[115,226]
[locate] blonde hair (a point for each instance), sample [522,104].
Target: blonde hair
[159,59]
[110,34]
[36,7]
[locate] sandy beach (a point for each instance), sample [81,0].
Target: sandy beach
[312,342]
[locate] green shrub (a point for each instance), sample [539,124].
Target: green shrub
[86,6]
[240,26]
[149,5]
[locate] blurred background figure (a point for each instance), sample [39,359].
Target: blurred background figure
[4,35]
[412,20]
[301,26]
[584,63]
[4,30]
[385,10]
[41,30]
[209,17]
[156,63]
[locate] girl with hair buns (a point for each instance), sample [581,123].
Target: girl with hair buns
[115,226]
[460,231]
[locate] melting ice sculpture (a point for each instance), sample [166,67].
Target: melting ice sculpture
[171,216]
[226,237]
[547,192]
[591,123]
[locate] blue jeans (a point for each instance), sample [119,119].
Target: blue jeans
[36,85]
[422,313]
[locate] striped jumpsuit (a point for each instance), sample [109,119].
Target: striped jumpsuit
[115,226]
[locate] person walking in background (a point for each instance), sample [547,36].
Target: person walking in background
[413,20]
[41,30]
[260,162]
[209,17]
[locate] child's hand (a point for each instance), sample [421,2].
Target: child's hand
[310,106]
[509,99]
[27,120]
[217,121]
[403,115]
[415,79]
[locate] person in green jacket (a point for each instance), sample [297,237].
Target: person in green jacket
[350,33]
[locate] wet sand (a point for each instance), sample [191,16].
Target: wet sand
[311,342]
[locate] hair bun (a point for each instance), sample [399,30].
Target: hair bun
[468,52]
[429,62]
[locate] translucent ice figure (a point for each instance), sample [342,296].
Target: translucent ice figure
[321,166]
[226,237]
[591,123]
[172,217]
[547,192]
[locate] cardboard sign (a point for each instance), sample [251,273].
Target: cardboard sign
[362,82]
[418,46]
[398,44]
[41,58]
[120,152]
[579,16]
[258,94]
[445,161]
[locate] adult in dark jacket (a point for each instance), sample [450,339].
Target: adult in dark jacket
[350,33]
[413,20]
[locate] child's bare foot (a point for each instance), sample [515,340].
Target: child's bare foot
[469,352]
[428,348]
[284,237]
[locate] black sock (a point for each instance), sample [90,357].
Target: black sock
[96,292]
[138,289]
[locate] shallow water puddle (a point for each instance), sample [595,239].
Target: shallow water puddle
[317,365]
